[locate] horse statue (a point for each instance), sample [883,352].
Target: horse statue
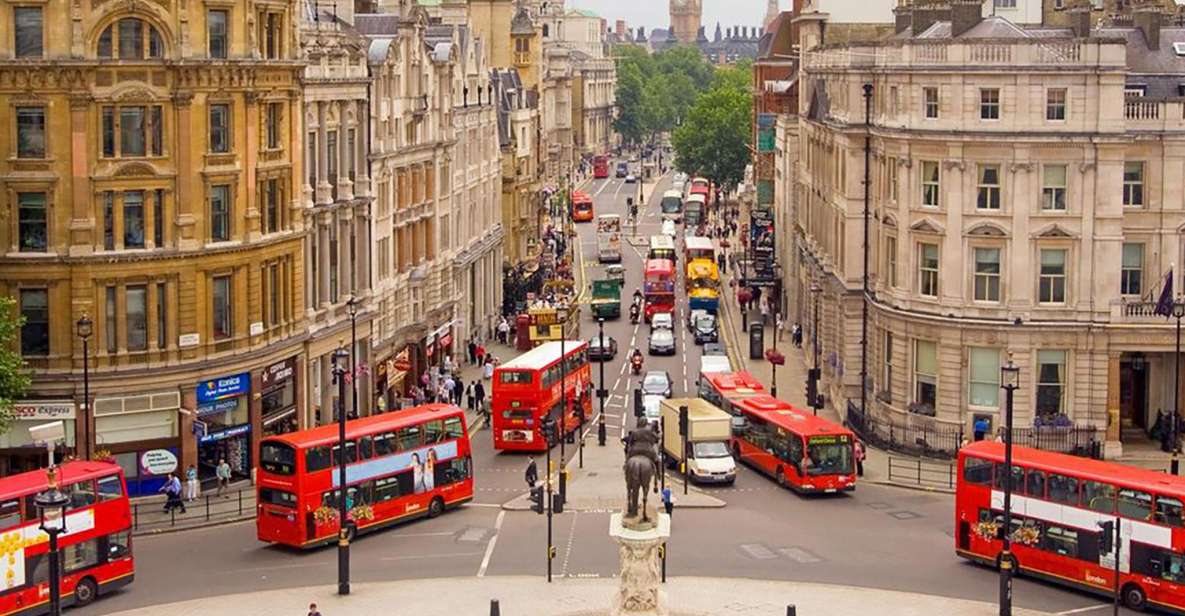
[641,467]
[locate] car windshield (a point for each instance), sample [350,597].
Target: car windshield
[830,458]
[670,205]
[662,335]
[650,405]
[714,449]
[656,383]
[706,322]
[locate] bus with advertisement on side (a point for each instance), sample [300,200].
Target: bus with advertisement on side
[399,466]
[799,450]
[96,545]
[600,167]
[609,238]
[1058,502]
[532,386]
[658,288]
[582,206]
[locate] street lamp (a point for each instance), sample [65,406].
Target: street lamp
[52,506]
[775,359]
[815,373]
[1175,464]
[864,295]
[601,392]
[340,357]
[85,328]
[352,307]
[1010,382]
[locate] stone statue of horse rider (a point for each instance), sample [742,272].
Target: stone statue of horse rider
[641,466]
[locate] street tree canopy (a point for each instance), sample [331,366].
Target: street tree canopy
[655,92]
[14,379]
[715,139]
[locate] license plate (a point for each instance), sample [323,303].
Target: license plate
[829,490]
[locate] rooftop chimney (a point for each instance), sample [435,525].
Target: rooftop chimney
[620,29]
[1147,18]
[964,15]
[904,18]
[924,16]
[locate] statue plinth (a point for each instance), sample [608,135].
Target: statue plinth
[639,592]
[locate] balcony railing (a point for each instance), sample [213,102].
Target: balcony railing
[1061,53]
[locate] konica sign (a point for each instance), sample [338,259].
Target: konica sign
[223,387]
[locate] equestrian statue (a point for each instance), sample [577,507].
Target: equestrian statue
[641,466]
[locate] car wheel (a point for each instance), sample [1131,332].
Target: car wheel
[85,592]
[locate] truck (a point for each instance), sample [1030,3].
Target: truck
[609,238]
[606,299]
[709,430]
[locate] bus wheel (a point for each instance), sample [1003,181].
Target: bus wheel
[780,476]
[85,591]
[1134,597]
[436,507]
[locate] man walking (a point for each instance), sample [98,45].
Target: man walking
[472,352]
[313,610]
[223,475]
[532,474]
[479,394]
[860,453]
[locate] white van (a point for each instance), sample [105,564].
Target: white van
[714,363]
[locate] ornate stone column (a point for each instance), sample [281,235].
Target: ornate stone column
[324,194]
[324,219]
[639,592]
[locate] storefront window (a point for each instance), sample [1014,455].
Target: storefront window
[224,413]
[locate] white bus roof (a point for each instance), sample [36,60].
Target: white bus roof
[662,241]
[697,198]
[697,242]
[542,355]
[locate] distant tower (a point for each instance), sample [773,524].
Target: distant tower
[685,19]
[771,13]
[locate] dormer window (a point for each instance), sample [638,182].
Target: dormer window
[130,39]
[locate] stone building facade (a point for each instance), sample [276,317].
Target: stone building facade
[1017,212]
[150,178]
[686,20]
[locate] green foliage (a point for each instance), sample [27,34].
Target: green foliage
[715,140]
[14,380]
[656,92]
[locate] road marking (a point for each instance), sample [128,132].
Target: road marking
[444,534]
[485,560]
[423,556]
[571,539]
[1088,608]
[488,505]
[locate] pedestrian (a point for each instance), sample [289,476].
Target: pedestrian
[796,335]
[488,372]
[470,401]
[859,458]
[313,610]
[779,325]
[191,483]
[447,388]
[223,474]
[504,331]
[448,364]
[532,474]
[172,490]
[472,352]
[722,263]
[479,394]
[481,354]
[980,427]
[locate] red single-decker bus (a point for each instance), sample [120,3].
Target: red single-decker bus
[96,545]
[725,389]
[805,453]
[1058,501]
[530,387]
[600,167]
[658,287]
[399,465]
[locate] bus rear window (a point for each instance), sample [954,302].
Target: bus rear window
[277,497]
[515,377]
[278,458]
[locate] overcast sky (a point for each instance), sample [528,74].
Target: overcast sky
[655,13]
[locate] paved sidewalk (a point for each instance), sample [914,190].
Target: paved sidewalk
[517,595]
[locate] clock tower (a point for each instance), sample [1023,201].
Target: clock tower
[685,19]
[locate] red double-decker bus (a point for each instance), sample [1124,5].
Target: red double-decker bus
[658,287]
[1058,501]
[725,389]
[600,167]
[400,465]
[96,546]
[582,207]
[530,387]
[805,453]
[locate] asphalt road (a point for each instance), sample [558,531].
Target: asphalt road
[878,536]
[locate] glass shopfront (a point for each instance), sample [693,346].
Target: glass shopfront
[223,424]
[278,400]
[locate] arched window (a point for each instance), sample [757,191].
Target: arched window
[130,39]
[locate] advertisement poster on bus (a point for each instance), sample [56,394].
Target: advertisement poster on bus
[422,463]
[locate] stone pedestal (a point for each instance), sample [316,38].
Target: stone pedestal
[639,592]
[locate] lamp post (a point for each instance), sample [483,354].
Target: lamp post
[775,359]
[1175,464]
[864,297]
[352,307]
[340,358]
[816,291]
[601,393]
[52,506]
[84,329]
[1010,382]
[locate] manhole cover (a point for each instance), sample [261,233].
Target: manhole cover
[905,515]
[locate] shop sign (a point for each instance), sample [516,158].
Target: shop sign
[446,340]
[189,340]
[224,387]
[38,410]
[403,360]
[225,434]
[218,406]
[158,462]
[278,372]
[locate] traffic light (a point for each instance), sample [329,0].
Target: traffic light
[1106,537]
[537,499]
[557,503]
[683,421]
[811,389]
[547,427]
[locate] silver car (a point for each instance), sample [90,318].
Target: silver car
[662,341]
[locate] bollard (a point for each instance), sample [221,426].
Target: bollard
[207,507]
[495,610]
[791,610]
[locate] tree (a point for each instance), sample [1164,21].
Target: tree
[630,122]
[654,93]
[14,380]
[714,140]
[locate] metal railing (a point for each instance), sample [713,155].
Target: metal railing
[149,514]
[922,473]
[933,439]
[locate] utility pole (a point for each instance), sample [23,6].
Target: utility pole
[864,297]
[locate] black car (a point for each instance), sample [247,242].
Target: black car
[705,329]
[622,170]
[602,350]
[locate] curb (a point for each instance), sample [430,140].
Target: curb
[515,505]
[906,486]
[178,529]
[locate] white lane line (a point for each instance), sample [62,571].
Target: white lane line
[485,560]
[443,534]
[1088,608]
[486,505]
[423,556]
[571,538]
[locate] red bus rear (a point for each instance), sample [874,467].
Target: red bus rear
[96,545]
[600,167]
[530,387]
[658,287]
[582,207]
[805,453]
[701,186]
[400,465]
[1058,501]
